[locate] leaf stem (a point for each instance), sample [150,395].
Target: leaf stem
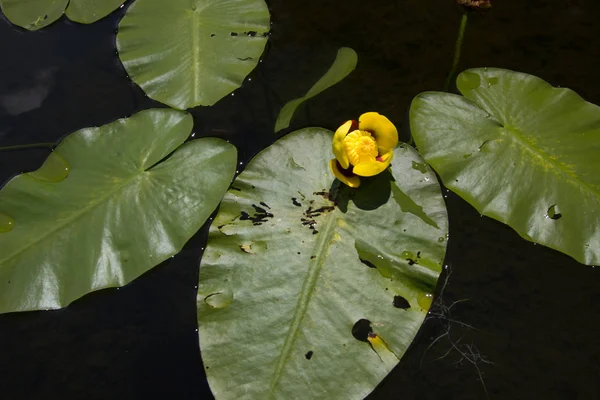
[26,146]
[457,49]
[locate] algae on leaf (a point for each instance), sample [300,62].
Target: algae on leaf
[302,277]
[520,151]
[108,204]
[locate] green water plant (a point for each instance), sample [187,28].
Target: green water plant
[108,204]
[309,288]
[468,6]
[36,14]
[344,63]
[193,52]
[520,151]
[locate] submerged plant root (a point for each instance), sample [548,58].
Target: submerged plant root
[442,315]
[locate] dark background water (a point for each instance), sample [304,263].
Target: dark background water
[530,324]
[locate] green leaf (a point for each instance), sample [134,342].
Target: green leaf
[520,151]
[344,63]
[282,285]
[107,205]
[36,14]
[33,14]
[192,52]
[89,11]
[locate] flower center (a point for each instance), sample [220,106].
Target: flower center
[360,146]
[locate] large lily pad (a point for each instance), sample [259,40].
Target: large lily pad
[520,151]
[298,270]
[36,14]
[107,205]
[187,53]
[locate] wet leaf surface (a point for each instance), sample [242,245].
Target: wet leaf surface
[193,52]
[305,261]
[520,151]
[108,204]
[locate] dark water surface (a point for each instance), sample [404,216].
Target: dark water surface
[530,327]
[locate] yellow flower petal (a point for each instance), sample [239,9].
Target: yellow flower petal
[384,132]
[372,168]
[338,144]
[352,181]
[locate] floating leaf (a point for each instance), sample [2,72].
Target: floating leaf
[193,52]
[344,63]
[298,291]
[36,14]
[520,151]
[129,199]
[33,14]
[88,11]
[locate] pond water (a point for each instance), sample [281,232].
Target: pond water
[518,320]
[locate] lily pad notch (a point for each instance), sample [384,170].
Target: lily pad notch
[36,14]
[108,204]
[520,151]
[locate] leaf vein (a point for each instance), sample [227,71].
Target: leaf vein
[537,152]
[324,241]
[75,216]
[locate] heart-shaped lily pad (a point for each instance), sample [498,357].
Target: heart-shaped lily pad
[108,204]
[520,151]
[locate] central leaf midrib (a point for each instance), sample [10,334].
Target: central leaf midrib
[325,238]
[195,54]
[74,217]
[524,143]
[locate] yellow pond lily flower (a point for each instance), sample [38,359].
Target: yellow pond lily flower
[363,148]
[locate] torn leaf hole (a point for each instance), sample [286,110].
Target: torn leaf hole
[553,212]
[309,355]
[260,215]
[367,263]
[362,329]
[401,302]
[324,193]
